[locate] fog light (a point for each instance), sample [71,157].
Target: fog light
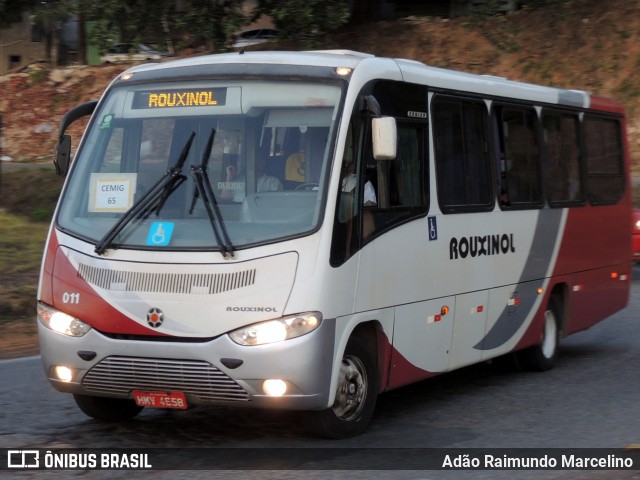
[64,374]
[274,387]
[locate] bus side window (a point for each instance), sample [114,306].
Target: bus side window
[398,184]
[561,158]
[462,155]
[375,195]
[604,160]
[346,236]
[519,170]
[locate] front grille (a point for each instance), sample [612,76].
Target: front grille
[184,283]
[120,375]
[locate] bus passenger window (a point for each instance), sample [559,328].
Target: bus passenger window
[519,158]
[561,158]
[462,157]
[605,160]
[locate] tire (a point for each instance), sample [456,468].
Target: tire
[542,357]
[107,409]
[356,395]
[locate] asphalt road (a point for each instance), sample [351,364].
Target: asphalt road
[590,400]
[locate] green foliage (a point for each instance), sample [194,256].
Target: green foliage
[212,22]
[48,12]
[21,245]
[306,21]
[38,76]
[27,201]
[127,20]
[11,10]
[30,194]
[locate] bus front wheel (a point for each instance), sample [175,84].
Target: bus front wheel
[542,357]
[108,409]
[356,394]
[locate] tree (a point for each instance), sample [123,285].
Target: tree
[305,21]
[364,11]
[212,22]
[50,15]
[127,21]
[82,31]
[209,22]
[11,11]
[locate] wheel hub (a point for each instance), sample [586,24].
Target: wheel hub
[352,389]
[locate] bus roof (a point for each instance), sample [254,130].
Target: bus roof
[410,71]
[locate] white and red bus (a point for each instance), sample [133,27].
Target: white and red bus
[307,230]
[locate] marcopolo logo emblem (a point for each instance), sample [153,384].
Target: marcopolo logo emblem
[155,317]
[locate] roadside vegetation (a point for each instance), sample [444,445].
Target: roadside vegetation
[27,201]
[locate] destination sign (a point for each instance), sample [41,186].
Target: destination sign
[199,97]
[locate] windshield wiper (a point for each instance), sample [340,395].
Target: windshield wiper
[153,200]
[204,190]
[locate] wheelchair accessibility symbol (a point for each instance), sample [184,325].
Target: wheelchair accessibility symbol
[433,228]
[160,234]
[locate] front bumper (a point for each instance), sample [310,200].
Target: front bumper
[215,372]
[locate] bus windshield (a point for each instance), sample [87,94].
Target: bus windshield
[202,165]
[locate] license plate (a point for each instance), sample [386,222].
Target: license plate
[175,400]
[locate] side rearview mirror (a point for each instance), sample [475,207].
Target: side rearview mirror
[62,154]
[384,135]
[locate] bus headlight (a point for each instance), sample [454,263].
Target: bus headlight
[277,330]
[61,322]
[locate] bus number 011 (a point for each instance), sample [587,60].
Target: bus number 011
[70,297]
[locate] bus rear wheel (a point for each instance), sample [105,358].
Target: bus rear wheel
[356,395]
[107,409]
[542,357]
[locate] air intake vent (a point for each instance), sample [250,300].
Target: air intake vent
[121,375]
[189,283]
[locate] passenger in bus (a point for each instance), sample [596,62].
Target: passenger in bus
[350,182]
[236,182]
[348,188]
[265,182]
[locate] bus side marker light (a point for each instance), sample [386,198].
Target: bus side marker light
[434,318]
[513,301]
[540,291]
[578,288]
[623,277]
[444,310]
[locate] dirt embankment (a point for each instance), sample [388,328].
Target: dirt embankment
[582,44]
